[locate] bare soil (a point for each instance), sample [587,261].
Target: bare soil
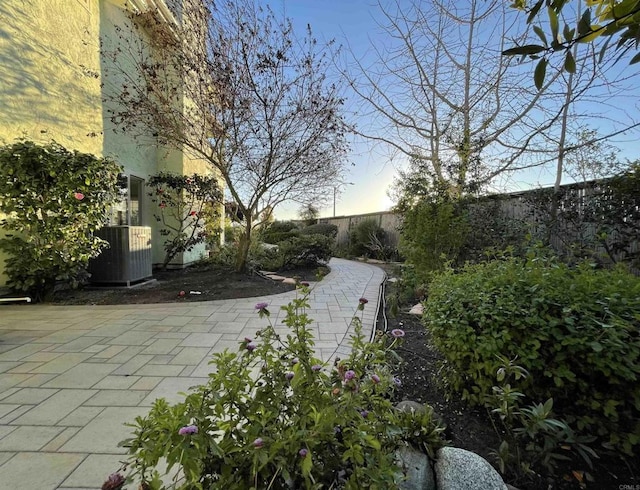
[198,283]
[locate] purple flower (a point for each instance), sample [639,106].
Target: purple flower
[375,378]
[188,430]
[261,306]
[349,375]
[363,301]
[295,360]
[397,381]
[364,413]
[397,333]
[258,443]
[289,375]
[303,452]
[316,367]
[114,482]
[251,346]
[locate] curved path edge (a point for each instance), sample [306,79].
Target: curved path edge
[71,376]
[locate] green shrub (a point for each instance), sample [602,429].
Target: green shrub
[223,256]
[274,238]
[232,233]
[433,233]
[54,199]
[279,231]
[326,229]
[576,331]
[272,415]
[263,257]
[305,251]
[368,239]
[532,438]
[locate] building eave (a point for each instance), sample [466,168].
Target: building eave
[160,6]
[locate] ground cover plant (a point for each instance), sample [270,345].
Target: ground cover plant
[274,416]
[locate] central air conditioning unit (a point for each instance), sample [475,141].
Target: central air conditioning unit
[128,258]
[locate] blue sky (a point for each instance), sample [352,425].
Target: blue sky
[352,23]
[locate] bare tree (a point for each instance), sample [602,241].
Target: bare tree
[593,158]
[589,91]
[230,83]
[440,93]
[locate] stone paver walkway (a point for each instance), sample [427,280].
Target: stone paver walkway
[70,376]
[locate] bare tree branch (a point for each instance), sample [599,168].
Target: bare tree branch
[234,86]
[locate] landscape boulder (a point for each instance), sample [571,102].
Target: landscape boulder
[417,468]
[458,469]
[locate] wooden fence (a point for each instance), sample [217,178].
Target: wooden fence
[585,211]
[387,220]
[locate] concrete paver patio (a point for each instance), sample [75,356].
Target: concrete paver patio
[71,376]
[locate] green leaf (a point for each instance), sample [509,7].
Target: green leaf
[539,73]
[623,8]
[596,346]
[595,33]
[569,62]
[373,442]
[584,24]
[527,49]
[603,50]
[540,34]
[553,23]
[534,11]
[568,33]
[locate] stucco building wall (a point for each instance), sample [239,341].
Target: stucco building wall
[52,86]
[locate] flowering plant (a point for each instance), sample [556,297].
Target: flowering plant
[276,416]
[52,200]
[186,210]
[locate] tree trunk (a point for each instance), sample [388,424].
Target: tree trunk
[243,248]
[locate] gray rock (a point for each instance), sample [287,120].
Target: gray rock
[417,309]
[417,468]
[458,469]
[409,406]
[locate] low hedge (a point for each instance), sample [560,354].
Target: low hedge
[326,229]
[576,330]
[305,251]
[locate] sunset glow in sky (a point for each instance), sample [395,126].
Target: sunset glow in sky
[354,25]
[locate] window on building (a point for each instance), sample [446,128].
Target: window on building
[128,209]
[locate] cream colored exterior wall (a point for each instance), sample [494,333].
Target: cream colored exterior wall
[49,72]
[50,88]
